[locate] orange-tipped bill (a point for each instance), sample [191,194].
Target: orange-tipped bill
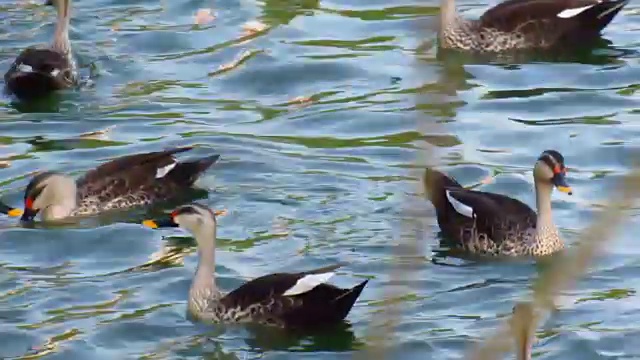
[560,181]
[160,223]
[8,210]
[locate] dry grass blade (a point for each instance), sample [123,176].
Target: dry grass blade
[567,268]
[241,59]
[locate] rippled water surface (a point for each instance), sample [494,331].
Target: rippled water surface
[321,120]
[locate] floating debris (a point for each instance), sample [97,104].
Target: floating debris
[487,180]
[253,27]
[97,135]
[280,227]
[244,56]
[204,16]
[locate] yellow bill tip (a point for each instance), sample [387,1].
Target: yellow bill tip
[150,223]
[565,189]
[222,212]
[15,212]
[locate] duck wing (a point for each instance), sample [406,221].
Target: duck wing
[295,299]
[147,175]
[464,214]
[496,215]
[551,18]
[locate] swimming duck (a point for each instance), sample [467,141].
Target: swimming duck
[37,72]
[125,182]
[527,24]
[493,224]
[286,300]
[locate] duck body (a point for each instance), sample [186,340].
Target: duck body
[37,72]
[265,301]
[528,24]
[129,181]
[493,224]
[138,180]
[498,224]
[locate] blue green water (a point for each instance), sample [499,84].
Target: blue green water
[306,185]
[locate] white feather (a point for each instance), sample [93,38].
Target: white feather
[461,208]
[55,72]
[307,283]
[567,13]
[25,68]
[162,171]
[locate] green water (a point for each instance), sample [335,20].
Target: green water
[311,184]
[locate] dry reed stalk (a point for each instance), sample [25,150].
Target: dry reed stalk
[565,269]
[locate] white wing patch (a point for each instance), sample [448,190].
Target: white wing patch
[567,13]
[162,171]
[461,208]
[25,68]
[307,283]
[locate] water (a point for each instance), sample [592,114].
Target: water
[310,183]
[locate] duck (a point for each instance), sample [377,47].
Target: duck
[527,25]
[125,182]
[37,71]
[301,300]
[491,224]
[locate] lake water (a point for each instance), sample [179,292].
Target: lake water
[322,121]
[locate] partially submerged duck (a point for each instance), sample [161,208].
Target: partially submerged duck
[527,24]
[37,72]
[287,300]
[494,224]
[125,182]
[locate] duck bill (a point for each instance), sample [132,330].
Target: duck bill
[28,214]
[8,210]
[560,182]
[160,223]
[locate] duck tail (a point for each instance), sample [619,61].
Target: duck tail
[435,184]
[344,302]
[600,15]
[186,173]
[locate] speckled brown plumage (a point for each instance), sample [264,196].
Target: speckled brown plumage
[261,301]
[527,24]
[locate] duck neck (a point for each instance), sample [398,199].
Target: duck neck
[61,37]
[448,16]
[204,284]
[543,205]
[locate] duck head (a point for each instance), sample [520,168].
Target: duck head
[550,169]
[51,193]
[195,218]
